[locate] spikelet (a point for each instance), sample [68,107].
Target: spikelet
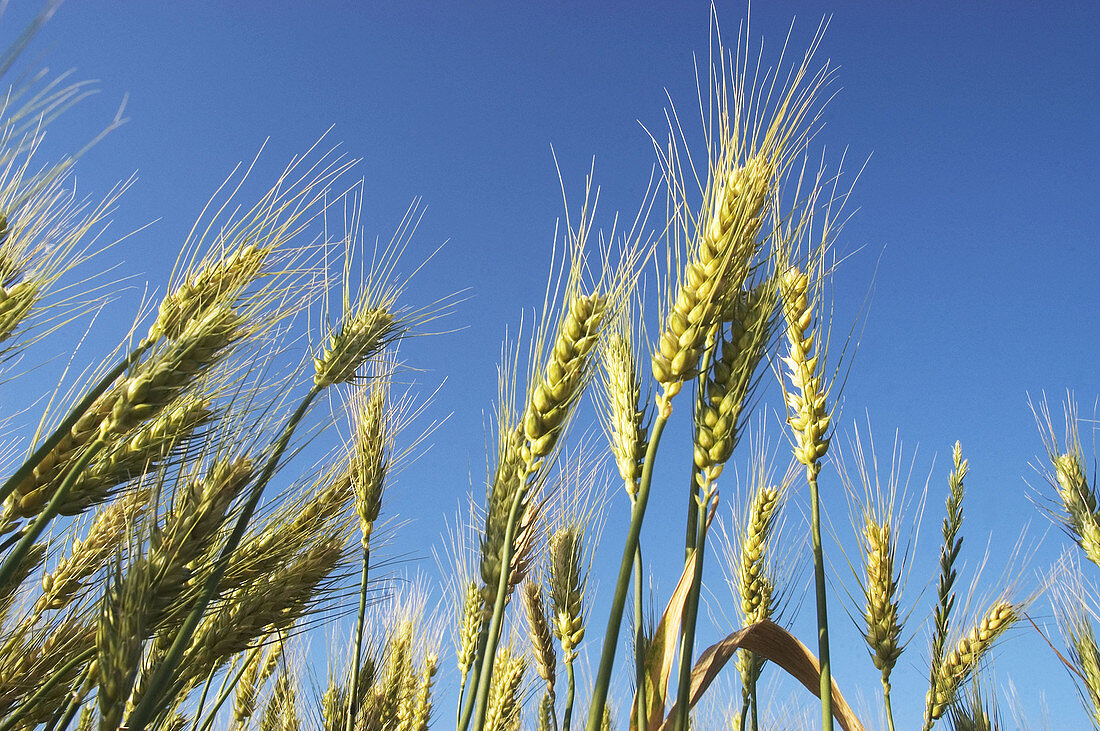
[959,664]
[880,611]
[137,398]
[267,606]
[624,414]
[292,527]
[356,341]
[503,486]
[949,553]
[755,588]
[44,657]
[553,396]
[809,418]
[370,454]
[719,262]
[15,304]
[567,584]
[422,711]
[370,320]
[470,623]
[119,637]
[219,281]
[739,352]
[542,641]
[1079,498]
[504,691]
[257,671]
[1086,656]
[61,585]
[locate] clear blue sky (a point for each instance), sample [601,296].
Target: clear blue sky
[976,226]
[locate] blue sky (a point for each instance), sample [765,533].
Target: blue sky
[974,229]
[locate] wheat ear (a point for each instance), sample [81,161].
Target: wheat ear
[959,664]
[504,696]
[540,634]
[949,553]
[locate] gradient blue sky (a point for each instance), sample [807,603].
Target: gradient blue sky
[975,229]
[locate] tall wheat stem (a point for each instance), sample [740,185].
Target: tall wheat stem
[889,708]
[826,686]
[618,602]
[481,707]
[691,612]
[161,679]
[567,717]
[639,641]
[357,664]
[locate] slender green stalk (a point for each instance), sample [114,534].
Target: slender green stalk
[466,708]
[618,602]
[70,420]
[693,482]
[755,713]
[12,561]
[227,687]
[889,709]
[481,707]
[357,664]
[826,686]
[567,718]
[202,698]
[161,679]
[639,643]
[691,612]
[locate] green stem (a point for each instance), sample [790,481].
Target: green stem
[639,644]
[744,707]
[755,714]
[826,686]
[161,679]
[466,708]
[497,622]
[228,687]
[567,719]
[691,612]
[693,483]
[202,698]
[353,689]
[70,420]
[886,701]
[618,602]
[13,560]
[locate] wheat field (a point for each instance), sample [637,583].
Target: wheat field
[245,495]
